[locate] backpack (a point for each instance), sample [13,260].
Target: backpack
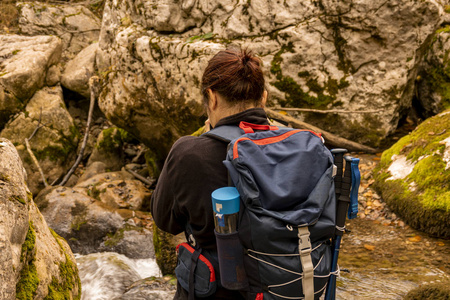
[287,217]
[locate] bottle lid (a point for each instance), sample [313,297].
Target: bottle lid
[225,200]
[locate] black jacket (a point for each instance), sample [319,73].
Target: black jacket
[192,171]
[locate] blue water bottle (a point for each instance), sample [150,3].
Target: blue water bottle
[230,252]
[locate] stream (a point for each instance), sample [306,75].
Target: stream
[376,262]
[380,258]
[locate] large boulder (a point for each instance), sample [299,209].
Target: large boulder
[413,176]
[350,55]
[76,25]
[91,226]
[78,71]
[117,190]
[433,81]
[25,63]
[54,143]
[35,263]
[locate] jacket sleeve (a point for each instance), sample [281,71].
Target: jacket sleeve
[164,207]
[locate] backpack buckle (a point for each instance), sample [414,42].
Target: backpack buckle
[304,243]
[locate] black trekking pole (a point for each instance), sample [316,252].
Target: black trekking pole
[341,213]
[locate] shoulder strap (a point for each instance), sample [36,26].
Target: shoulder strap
[225,133]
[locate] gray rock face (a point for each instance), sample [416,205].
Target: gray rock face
[151,289]
[14,217]
[24,63]
[78,71]
[76,25]
[91,226]
[433,88]
[32,257]
[54,143]
[345,56]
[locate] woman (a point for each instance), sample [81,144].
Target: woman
[233,89]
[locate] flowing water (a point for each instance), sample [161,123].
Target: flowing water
[385,262]
[376,261]
[105,276]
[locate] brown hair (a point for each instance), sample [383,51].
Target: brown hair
[236,75]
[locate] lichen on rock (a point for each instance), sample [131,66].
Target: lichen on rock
[421,195]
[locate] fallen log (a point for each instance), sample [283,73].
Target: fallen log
[331,139]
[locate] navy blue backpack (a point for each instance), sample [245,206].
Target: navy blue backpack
[287,217]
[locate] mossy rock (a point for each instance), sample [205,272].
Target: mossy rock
[435,291]
[165,250]
[421,195]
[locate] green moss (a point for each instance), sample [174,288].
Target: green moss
[164,251]
[152,162]
[447,9]
[4,177]
[424,140]
[437,291]
[94,192]
[17,198]
[113,138]
[27,285]
[114,239]
[60,288]
[199,132]
[423,197]
[433,182]
[440,73]
[295,96]
[156,52]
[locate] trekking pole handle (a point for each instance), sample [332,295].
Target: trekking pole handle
[344,198]
[338,155]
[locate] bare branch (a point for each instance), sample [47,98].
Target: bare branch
[141,178]
[324,111]
[27,145]
[93,86]
[332,139]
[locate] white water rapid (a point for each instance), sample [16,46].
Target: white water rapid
[105,276]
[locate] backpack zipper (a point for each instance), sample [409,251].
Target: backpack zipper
[269,140]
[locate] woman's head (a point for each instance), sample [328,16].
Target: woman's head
[237,76]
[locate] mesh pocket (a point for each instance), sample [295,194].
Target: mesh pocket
[231,261]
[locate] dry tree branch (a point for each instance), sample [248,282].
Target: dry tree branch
[141,178]
[330,111]
[33,157]
[93,86]
[27,145]
[332,139]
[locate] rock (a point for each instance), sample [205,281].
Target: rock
[93,169]
[90,225]
[35,263]
[420,196]
[433,89]
[152,288]
[104,177]
[55,142]
[165,249]
[342,56]
[24,65]
[53,76]
[438,290]
[130,194]
[76,25]
[78,71]
[108,148]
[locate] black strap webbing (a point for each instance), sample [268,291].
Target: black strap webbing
[194,261]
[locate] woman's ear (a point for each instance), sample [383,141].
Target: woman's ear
[212,99]
[264,99]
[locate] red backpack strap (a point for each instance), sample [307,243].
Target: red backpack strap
[249,127]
